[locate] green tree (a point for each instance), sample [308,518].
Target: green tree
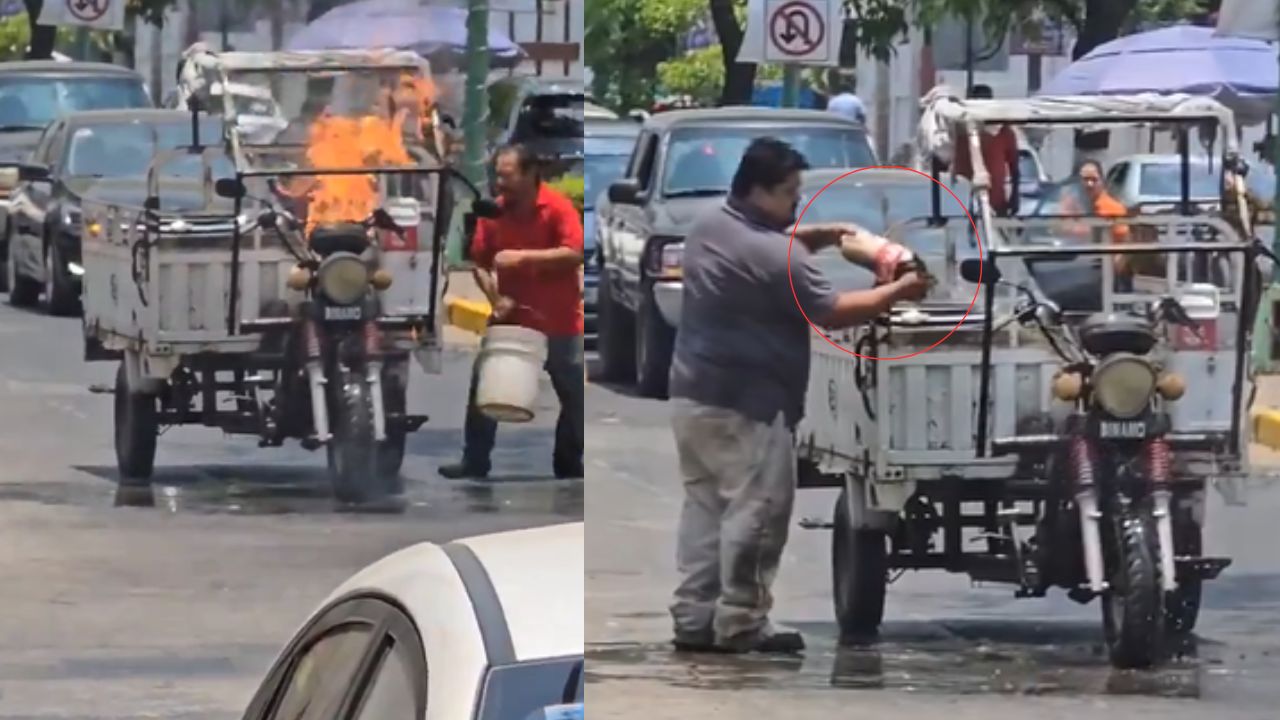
[627,39]
[43,39]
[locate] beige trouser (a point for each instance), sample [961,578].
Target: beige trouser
[739,488]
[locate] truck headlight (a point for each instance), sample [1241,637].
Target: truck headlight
[343,278]
[1123,385]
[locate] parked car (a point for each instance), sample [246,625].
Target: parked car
[33,94]
[101,155]
[1149,180]
[546,116]
[484,628]
[683,164]
[609,144]
[259,117]
[888,202]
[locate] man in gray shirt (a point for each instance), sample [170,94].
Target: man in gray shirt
[738,380]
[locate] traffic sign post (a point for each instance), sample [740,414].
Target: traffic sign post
[797,34]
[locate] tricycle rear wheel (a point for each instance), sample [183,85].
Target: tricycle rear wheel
[391,450]
[136,429]
[860,574]
[1182,606]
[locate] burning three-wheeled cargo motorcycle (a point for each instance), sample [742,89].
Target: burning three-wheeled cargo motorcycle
[1065,434]
[290,306]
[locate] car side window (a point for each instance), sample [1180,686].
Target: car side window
[646,158]
[398,688]
[320,677]
[43,152]
[392,695]
[1116,178]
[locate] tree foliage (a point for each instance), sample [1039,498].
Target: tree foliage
[627,39]
[632,43]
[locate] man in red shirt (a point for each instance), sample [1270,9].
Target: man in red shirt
[527,263]
[999,155]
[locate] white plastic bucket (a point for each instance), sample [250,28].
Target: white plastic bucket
[511,363]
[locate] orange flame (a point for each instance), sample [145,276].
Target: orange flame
[372,140]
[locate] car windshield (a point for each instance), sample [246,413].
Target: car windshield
[1164,180]
[34,101]
[525,690]
[559,117]
[702,160]
[601,171]
[878,206]
[125,150]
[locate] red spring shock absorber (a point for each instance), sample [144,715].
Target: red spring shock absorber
[372,339]
[1159,460]
[1082,462]
[311,336]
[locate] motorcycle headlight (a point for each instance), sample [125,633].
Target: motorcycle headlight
[343,278]
[1123,385]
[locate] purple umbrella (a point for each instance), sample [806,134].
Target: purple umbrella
[1240,73]
[403,24]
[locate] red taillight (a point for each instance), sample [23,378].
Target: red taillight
[392,242]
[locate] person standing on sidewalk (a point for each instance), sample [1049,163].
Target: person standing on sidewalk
[738,382]
[527,262]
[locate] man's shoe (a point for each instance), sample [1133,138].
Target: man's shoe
[570,473]
[776,642]
[704,642]
[463,471]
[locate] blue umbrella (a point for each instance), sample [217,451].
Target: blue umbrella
[402,24]
[1240,73]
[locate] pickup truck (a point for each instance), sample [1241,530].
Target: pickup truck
[682,165]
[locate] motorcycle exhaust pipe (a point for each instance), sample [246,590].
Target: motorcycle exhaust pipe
[372,348]
[1158,459]
[1087,504]
[315,378]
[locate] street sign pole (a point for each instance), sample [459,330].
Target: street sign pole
[791,85]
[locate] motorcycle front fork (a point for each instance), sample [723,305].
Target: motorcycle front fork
[1157,458]
[316,378]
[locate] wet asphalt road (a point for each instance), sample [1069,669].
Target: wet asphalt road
[176,611]
[948,649]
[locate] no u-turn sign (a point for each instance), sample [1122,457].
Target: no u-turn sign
[799,32]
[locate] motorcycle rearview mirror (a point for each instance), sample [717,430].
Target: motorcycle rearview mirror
[230,188]
[979,270]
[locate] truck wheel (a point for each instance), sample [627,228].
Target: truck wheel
[655,344]
[860,575]
[1133,614]
[59,298]
[137,425]
[1182,606]
[23,291]
[391,450]
[615,338]
[351,452]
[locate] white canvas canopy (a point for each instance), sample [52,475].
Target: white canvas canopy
[943,108]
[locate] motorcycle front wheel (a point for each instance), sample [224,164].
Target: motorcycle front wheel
[352,450]
[1133,613]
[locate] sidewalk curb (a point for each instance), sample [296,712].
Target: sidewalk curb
[1266,428]
[470,315]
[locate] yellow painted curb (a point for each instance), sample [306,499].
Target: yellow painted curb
[1266,428]
[470,315]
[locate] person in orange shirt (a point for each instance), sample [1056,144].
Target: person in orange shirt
[1103,205]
